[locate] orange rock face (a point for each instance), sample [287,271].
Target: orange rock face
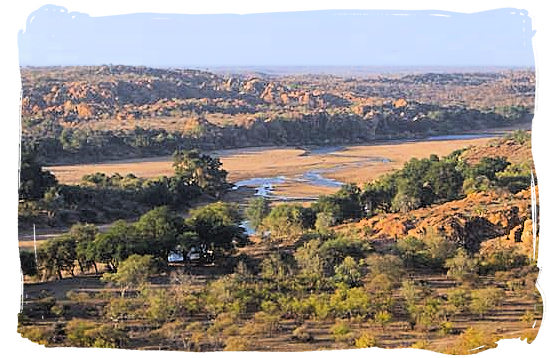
[477,220]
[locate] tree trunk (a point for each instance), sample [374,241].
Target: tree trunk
[80,266]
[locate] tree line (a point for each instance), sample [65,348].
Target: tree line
[212,231]
[103,198]
[57,144]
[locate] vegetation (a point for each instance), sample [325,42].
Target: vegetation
[147,111]
[101,198]
[320,276]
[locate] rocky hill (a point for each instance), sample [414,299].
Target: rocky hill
[92,113]
[481,221]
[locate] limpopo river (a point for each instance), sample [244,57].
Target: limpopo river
[292,173]
[285,173]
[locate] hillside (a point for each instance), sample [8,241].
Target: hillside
[428,256]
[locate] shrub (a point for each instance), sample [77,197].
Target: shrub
[160,307]
[236,344]
[423,344]
[365,340]
[473,340]
[383,318]
[485,299]
[302,334]
[457,300]
[132,273]
[461,267]
[341,331]
[348,272]
[528,317]
[446,327]
[37,334]
[85,333]
[389,265]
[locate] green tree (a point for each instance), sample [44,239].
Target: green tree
[256,211]
[217,226]
[160,305]
[461,267]
[438,248]
[310,263]
[57,255]
[201,170]
[285,220]
[115,245]
[342,205]
[278,268]
[84,236]
[389,265]
[444,180]
[485,300]
[324,221]
[33,181]
[412,251]
[348,272]
[132,273]
[28,263]
[380,289]
[159,231]
[458,300]
[334,250]
[488,167]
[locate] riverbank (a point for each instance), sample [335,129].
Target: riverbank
[292,173]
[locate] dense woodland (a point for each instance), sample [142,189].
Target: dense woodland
[328,275]
[85,114]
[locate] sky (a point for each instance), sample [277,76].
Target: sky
[56,37]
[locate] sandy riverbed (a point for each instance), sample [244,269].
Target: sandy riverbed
[350,164]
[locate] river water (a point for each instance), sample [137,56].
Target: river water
[265,186]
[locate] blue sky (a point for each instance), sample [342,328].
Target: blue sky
[54,36]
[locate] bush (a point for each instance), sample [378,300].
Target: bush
[365,340]
[28,263]
[383,318]
[341,331]
[236,344]
[485,300]
[348,272]
[302,334]
[133,273]
[121,309]
[461,267]
[83,333]
[528,318]
[457,300]
[160,307]
[389,265]
[257,210]
[423,344]
[473,340]
[38,334]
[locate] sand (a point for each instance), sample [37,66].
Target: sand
[352,164]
